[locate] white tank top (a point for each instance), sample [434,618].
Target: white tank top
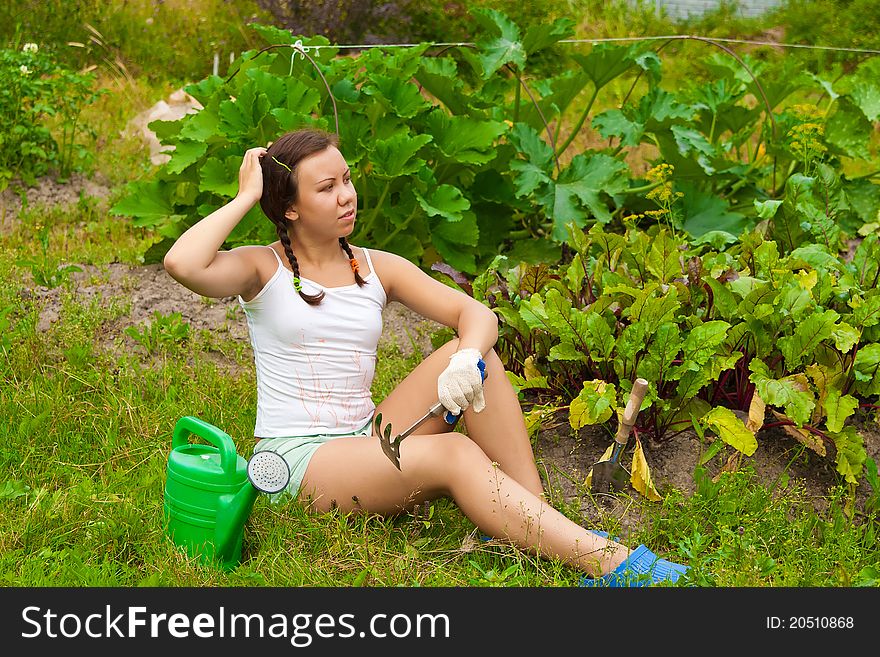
[314,364]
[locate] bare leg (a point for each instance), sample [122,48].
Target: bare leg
[499,429]
[353,474]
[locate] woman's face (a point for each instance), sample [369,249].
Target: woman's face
[327,201]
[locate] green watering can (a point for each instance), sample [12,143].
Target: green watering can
[210,491]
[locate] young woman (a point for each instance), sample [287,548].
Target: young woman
[314,304]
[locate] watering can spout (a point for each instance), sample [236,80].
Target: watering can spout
[231,517]
[210,490]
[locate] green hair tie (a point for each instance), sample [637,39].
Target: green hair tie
[296,284]
[282,164]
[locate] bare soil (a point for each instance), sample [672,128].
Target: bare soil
[564,456]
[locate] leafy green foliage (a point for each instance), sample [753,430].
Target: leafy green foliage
[712,331]
[44,268]
[160,332]
[35,90]
[455,159]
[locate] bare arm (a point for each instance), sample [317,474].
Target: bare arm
[476,325]
[195,260]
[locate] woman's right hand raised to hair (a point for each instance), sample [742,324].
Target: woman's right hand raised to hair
[250,175]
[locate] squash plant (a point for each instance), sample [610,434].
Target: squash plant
[424,135]
[459,154]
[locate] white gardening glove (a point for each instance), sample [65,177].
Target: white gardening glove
[461,383]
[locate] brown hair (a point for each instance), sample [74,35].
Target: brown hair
[280,192]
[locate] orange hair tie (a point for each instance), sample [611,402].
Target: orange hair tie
[354,265]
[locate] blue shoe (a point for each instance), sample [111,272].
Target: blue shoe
[641,568]
[599,532]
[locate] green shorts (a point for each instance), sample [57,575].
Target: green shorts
[298,451]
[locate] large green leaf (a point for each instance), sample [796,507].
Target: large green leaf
[439,76]
[704,212]
[866,309]
[201,126]
[396,156]
[594,404]
[723,301]
[205,89]
[731,430]
[398,96]
[444,201]
[703,340]
[851,454]
[691,142]
[791,393]
[185,153]
[145,199]
[465,139]
[532,145]
[848,129]
[653,309]
[272,34]
[534,172]
[807,336]
[449,237]
[607,61]
[581,187]
[664,347]
[866,90]
[569,323]
[599,339]
[839,407]
[543,35]
[220,175]
[301,97]
[864,198]
[614,123]
[664,258]
[866,369]
[272,86]
[502,45]
[658,109]
[235,117]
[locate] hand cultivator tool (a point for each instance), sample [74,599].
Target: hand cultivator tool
[391,447]
[610,474]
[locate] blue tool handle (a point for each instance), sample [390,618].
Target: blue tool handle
[449,416]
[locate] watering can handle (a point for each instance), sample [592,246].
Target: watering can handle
[189,425]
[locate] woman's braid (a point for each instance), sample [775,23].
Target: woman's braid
[311,299]
[353,261]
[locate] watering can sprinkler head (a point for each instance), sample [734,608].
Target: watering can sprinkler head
[268,472]
[210,490]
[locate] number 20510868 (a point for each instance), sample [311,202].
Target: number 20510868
[810,623]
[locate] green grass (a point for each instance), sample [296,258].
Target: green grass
[88,432]
[89,413]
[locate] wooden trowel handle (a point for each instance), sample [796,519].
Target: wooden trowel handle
[631,412]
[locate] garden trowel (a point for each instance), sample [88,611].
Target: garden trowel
[391,446]
[610,474]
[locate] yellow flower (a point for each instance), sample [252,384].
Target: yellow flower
[660,173]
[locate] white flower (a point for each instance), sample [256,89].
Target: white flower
[24,69]
[30,47]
